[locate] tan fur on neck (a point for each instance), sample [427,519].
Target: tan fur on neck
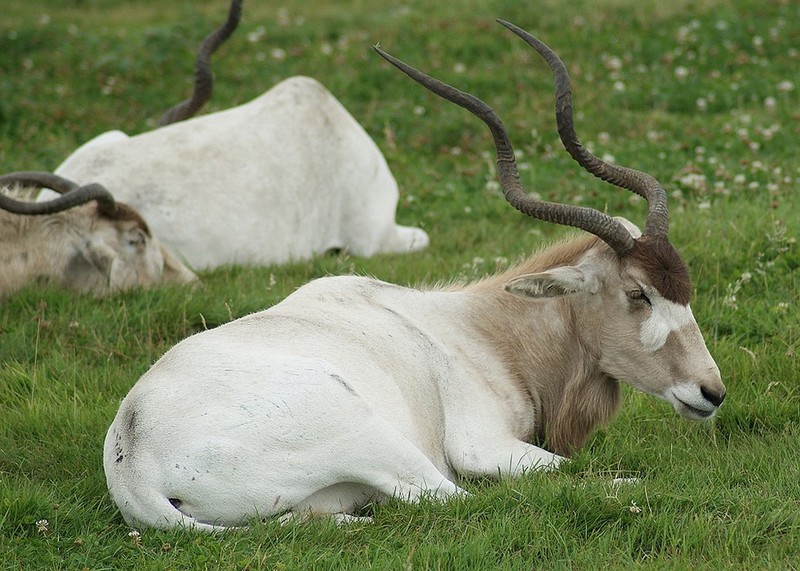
[571,396]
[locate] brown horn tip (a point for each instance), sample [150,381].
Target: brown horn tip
[204,77]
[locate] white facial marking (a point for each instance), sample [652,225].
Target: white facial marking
[665,317]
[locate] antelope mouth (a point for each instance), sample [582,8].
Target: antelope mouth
[694,412]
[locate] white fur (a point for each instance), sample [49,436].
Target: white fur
[283,177]
[666,316]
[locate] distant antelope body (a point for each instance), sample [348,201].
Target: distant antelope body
[354,390]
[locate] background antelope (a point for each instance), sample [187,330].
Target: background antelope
[84,239]
[352,390]
[285,176]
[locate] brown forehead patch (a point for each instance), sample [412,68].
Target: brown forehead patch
[664,267]
[124,212]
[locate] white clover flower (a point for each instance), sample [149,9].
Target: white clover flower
[681,72]
[136,537]
[785,86]
[42,526]
[257,35]
[613,63]
[694,181]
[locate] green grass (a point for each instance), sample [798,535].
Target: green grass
[702,94]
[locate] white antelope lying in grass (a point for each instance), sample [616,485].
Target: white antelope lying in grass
[283,177]
[84,239]
[354,390]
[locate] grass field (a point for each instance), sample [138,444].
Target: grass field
[702,94]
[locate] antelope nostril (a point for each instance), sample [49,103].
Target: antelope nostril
[713,397]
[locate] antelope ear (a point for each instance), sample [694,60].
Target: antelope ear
[556,282]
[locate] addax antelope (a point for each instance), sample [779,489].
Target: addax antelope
[352,390]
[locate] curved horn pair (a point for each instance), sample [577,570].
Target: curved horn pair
[204,78]
[601,225]
[72,195]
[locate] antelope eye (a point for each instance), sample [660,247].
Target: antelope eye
[639,295]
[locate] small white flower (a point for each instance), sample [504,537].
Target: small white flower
[257,35]
[136,537]
[613,63]
[42,526]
